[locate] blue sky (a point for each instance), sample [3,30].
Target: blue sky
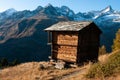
[75,5]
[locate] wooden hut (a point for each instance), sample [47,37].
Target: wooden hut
[74,41]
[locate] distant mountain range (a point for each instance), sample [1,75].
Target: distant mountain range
[107,14]
[22,33]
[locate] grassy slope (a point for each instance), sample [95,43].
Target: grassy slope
[32,71]
[108,68]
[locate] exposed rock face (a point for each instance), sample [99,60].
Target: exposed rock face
[25,39]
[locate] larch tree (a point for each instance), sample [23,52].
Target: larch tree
[116,42]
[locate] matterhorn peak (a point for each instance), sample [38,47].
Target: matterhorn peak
[107,9]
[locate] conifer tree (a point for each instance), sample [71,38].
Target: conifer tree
[4,62]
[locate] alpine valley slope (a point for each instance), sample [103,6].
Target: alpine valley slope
[22,33]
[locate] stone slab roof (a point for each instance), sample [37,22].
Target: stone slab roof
[68,26]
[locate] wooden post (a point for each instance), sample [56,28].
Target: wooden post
[49,38]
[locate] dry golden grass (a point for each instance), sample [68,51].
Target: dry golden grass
[104,58]
[31,71]
[107,68]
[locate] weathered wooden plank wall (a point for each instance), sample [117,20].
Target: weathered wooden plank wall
[65,45]
[66,52]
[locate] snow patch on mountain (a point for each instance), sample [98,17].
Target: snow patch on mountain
[107,10]
[9,11]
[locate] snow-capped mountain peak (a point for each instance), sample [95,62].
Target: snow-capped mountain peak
[65,8]
[39,8]
[7,13]
[48,5]
[107,9]
[49,10]
[10,11]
